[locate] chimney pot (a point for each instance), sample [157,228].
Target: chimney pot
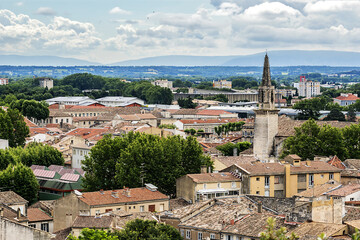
[232,221]
[18,213]
[259,207]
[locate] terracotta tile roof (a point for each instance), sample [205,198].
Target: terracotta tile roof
[214,217]
[178,203]
[78,119]
[349,97]
[280,100]
[136,195]
[345,190]
[10,197]
[213,177]
[58,113]
[185,111]
[231,160]
[352,163]
[122,217]
[252,225]
[209,121]
[37,215]
[87,133]
[352,213]
[315,229]
[212,112]
[93,222]
[336,162]
[259,168]
[86,107]
[29,123]
[350,173]
[46,205]
[11,214]
[62,234]
[318,190]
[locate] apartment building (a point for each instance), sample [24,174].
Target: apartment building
[222,84]
[308,88]
[163,83]
[283,179]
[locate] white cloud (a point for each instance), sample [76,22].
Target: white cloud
[46,11]
[19,4]
[22,34]
[117,10]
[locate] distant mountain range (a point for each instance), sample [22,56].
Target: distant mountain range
[18,60]
[277,58]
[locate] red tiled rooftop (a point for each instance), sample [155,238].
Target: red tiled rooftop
[350,97]
[29,123]
[136,195]
[345,190]
[87,133]
[194,121]
[37,215]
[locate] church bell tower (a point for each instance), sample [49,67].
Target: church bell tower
[266,117]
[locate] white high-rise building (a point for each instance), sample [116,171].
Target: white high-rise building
[308,88]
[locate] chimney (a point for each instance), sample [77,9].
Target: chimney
[128,192]
[18,214]
[101,191]
[114,194]
[203,169]
[68,220]
[308,163]
[259,205]
[235,152]
[232,222]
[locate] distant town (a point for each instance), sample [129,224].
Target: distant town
[241,156]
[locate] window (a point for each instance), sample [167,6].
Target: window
[257,179]
[162,207]
[322,175]
[229,237]
[130,207]
[267,181]
[108,210]
[258,192]
[188,234]
[200,236]
[32,225]
[119,208]
[352,199]
[331,176]
[219,185]
[301,178]
[67,120]
[182,232]
[311,180]
[56,121]
[45,227]
[142,208]
[204,185]
[233,184]
[97,212]
[212,236]
[279,180]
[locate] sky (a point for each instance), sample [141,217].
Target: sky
[108,31]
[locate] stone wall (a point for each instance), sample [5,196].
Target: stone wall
[13,230]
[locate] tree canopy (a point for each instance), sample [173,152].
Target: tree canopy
[187,103]
[228,148]
[31,108]
[13,127]
[311,139]
[21,180]
[134,230]
[135,159]
[335,115]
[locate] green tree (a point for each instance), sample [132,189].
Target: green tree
[309,108]
[335,115]
[305,142]
[148,229]
[21,180]
[13,127]
[351,136]
[351,115]
[40,154]
[5,159]
[32,108]
[187,103]
[227,149]
[137,158]
[94,234]
[272,233]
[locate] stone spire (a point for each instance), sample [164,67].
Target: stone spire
[266,90]
[266,78]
